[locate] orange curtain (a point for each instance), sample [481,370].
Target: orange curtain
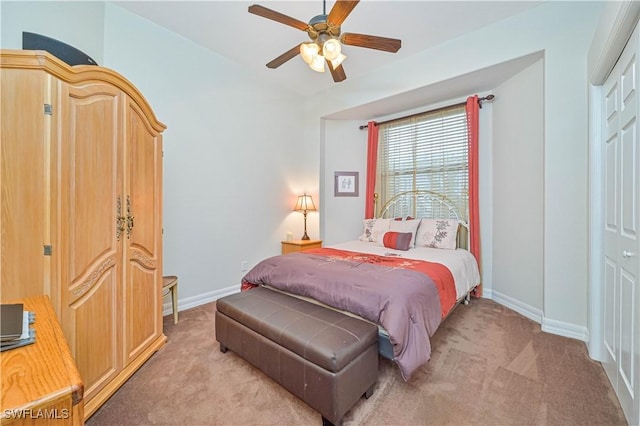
[372,160]
[472,110]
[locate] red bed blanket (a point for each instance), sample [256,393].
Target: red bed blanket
[407,297]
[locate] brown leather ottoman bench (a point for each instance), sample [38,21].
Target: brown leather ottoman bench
[326,358]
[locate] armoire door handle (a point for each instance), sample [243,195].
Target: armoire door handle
[120,220]
[129,218]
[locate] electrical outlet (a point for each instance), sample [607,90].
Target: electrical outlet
[244,266]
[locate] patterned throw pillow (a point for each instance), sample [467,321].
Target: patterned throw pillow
[374,229]
[437,233]
[397,240]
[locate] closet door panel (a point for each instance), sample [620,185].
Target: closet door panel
[610,229]
[627,348]
[611,317]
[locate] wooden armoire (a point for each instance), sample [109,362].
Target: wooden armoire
[81,216]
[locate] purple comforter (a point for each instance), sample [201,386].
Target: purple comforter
[403,301]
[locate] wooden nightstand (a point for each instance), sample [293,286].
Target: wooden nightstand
[300,245]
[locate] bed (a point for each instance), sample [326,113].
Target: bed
[406,273]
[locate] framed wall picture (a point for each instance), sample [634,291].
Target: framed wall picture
[345,184]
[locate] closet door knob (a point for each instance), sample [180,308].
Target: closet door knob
[627,254]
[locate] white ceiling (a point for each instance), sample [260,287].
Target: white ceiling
[227,28]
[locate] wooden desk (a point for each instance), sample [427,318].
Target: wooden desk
[40,382]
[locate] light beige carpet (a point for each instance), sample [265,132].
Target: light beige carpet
[490,366]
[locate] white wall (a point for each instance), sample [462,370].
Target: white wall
[517,203]
[79,24]
[345,150]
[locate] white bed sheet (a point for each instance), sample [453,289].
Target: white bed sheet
[461,263]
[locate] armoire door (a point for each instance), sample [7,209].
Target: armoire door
[143,241]
[621,230]
[28,126]
[91,202]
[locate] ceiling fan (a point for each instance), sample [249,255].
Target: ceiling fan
[326,38]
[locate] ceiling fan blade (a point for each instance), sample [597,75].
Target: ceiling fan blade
[289,54]
[340,10]
[371,42]
[337,73]
[256,9]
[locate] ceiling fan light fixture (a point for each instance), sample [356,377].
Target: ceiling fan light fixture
[317,64]
[338,60]
[309,51]
[327,38]
[331,49]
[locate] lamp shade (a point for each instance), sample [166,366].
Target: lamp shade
[338,60]
[308,51]
[317,64]
[331,49]
[304,204]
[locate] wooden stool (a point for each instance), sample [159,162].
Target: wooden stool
[170,285]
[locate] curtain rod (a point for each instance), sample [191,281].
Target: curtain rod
[487,98]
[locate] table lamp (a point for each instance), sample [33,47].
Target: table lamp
[304,205]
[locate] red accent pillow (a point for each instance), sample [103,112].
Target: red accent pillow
[397,240]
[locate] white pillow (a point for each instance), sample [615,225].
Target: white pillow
[437,233]
[408,225]
[374,230]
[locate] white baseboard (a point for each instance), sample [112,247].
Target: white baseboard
[565,329]
[201,299]
[528,311]
[559,328]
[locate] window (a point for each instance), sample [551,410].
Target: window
[425,151]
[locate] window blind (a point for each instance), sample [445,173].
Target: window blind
[426,151]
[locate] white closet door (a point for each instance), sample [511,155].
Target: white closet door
[621,234]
